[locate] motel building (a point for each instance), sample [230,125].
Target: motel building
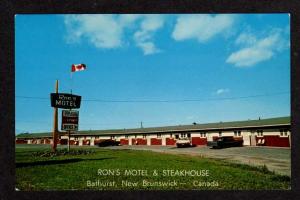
[274,132]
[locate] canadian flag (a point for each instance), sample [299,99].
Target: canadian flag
[78,67]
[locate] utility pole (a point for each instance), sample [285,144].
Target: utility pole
[69,141]
[141,124]
[55,123]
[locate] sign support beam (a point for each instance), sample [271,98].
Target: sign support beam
[68,141]
[55,123]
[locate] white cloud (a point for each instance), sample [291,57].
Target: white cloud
[102,31]
[222,91]
[128,19]
[245,39]
[107,30]
[201,27]
[144,36]
[255,50]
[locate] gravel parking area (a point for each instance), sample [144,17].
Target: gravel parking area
[276,159]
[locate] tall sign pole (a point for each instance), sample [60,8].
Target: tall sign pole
[55,122]
[65,101]
[68,141]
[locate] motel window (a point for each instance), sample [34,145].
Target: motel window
[202,134]
[76,138]
[112,137]
[220,133]
[171,135]
[126,136]
[189,135]
[158,135]
[283,132]
[144,136]
[237,133]
[176,136]
[182,135]
[260,133]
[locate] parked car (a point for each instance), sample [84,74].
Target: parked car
[224,142]
[106,143]
[183,142]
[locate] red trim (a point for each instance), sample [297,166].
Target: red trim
[156,141]
[19,141]
[86,142]
[48,141]
[141,141]
[124,141]
[170,141]
[133,141]
[63,141]
[74,142]
[97,141]
[199,141]
[275,141]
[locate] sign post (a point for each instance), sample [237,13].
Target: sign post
[68,141]
[69,118]
[55,122]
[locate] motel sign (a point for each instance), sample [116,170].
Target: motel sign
[64,100]
[69,120]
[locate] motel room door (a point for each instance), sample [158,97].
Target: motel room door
[247,139]
[252,139]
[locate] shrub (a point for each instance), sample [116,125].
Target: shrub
[62,152]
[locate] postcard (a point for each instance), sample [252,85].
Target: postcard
[136,102]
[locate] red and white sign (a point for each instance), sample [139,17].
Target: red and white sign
[78,67]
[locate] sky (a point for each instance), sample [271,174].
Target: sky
[158,69]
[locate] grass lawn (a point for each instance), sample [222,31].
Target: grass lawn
[89,172]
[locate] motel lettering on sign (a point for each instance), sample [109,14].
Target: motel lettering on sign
[64,100]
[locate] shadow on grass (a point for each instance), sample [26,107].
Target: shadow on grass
[55,162]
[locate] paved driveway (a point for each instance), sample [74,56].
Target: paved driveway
[276,159]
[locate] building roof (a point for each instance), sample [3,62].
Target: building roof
[194,127]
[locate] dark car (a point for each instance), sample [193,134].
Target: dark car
[106,143]
[224,142]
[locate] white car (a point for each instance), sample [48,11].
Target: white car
[183,142]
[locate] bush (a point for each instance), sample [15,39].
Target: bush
[62,152]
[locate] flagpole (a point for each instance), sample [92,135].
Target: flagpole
[70,110]
[74,68]
[71,81]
